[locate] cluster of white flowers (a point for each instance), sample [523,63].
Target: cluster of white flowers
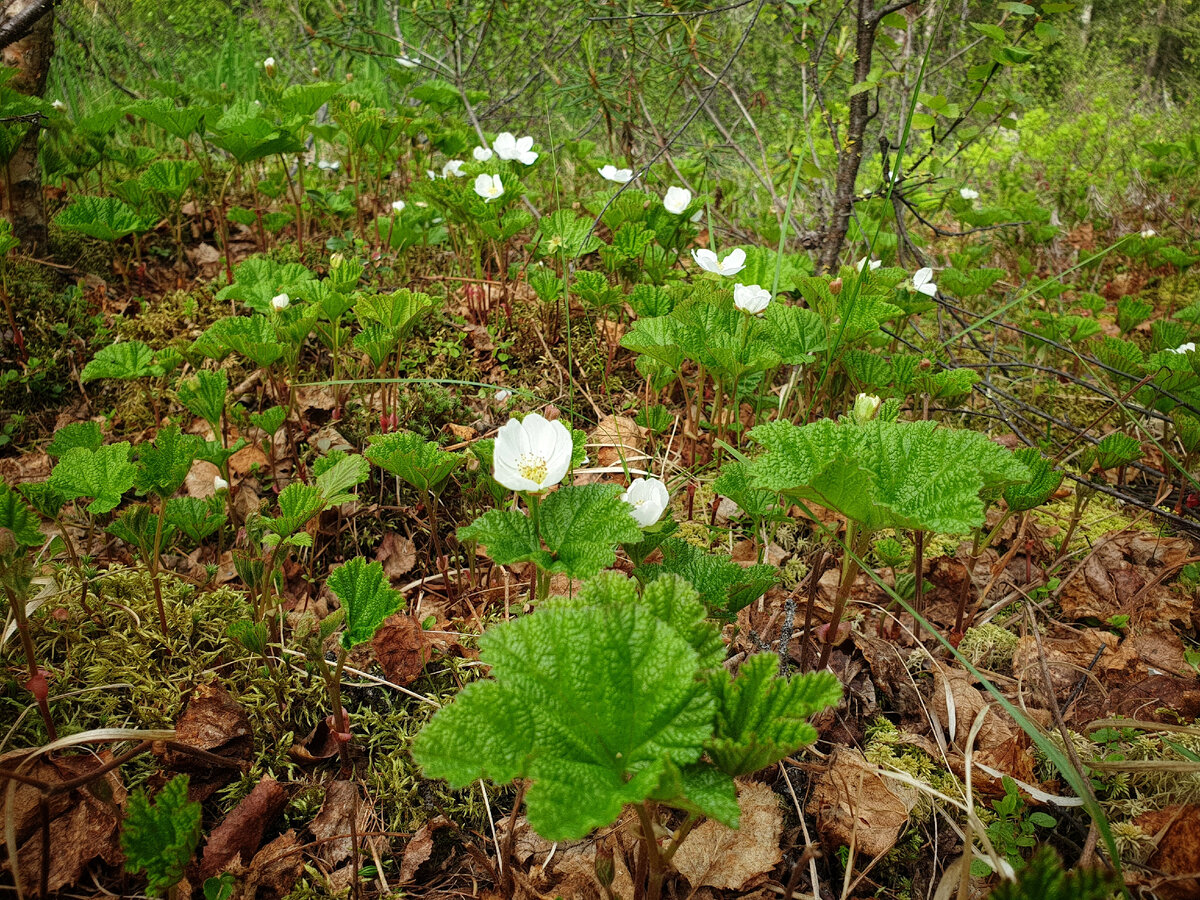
[534,454]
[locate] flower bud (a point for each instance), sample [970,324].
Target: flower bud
[220,484]
[350,78]
[835,286]
[866,407]
[316,72]
[269,66]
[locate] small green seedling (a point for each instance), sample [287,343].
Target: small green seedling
[159,838]
[368,600]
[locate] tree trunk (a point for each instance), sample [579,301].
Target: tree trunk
[850,154]
[31,57]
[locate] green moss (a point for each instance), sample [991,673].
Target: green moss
[886,747]
[1102,516]
[989,646]
[118,670]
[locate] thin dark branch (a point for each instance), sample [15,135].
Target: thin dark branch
[12,30]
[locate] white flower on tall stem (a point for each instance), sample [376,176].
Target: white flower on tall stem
[453,167]
[508,146]
[269,66]
[733,262]
[281,301]
[968,193]
[489,187]
[219,484]
[676,200]
[612,173]
[398,206]
[922,282]
[647,498]
[482,154]
[751,298]
[875,264]
[533,454]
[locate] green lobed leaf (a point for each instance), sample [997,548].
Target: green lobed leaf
[420,463]
[581,526]
[1117,449]
[43,497]
[77,434]
[104,475]
[734,483]
[124,360]
[17,517]
[1043,482]
[159,838]
[194,517]
[336,473]
[670,598]
[903,475]
[163,465]
[558,713]
[104,218]
[250,336]
[723,585]
[367,597]
[761,717]
[204,395]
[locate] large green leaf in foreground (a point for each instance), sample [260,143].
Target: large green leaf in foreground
[595,705]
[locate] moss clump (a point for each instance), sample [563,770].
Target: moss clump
[887,748]
[989,646]
[1102,516]
[116,669]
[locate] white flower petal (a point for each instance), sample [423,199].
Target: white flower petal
[481,154]
[734,262]
[677,199]
[648,499]
[707,260]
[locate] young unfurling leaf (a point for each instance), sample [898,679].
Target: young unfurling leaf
[761,717]
[159,838]
[367,597]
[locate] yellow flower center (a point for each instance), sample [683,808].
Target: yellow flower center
[532,468]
